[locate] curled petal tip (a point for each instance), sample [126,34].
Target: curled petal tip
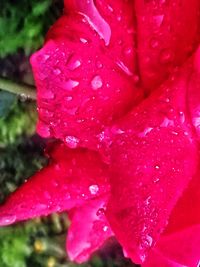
[7,219]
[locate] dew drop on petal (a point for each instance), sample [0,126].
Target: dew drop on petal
[105,228]
[96,82]
[124,68]
[57,71]
[99,64]
[154,43]
[148,241]
[83,40]
[165,56]
[72,65]
[93,189]
[70,84]
[72,141]
[158,20]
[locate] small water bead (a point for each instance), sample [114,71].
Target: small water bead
[165,56]
[72,111]
[70,84]
[43,129]
[148,241]
[57,71]
[45,113]
[158,20]
[154,43]
[46,94]
[93,189]
[72,141]
[182,117]
[99,64]
[45,57]
[69,98]
[72,65]
[156,180]
[157,167]
[105,228]
[96,82]
[128,51]
[83,40]
[124,68]
[101,212]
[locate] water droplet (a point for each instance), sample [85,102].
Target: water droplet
[158,20]
[100,212]
[99,64]
[105,228]
[119,18]
[182,117]
[156,180]
[72,141]
[45,57]
[124,68]
[165,56]
[7,219]
[57,71]
[72,65]
[154,43]
[96,82]
[45,113]
[69,98]
[95,20]
[148,241]
[93,189]
[174,133]
[157,167]
[70,84]
[145,132]
[110,8]
[136,78]
[83,40]
[128,51]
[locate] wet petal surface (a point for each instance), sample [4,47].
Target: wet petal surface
[168,33]
[156,149]
[71,179]
[85,78]
[85,237]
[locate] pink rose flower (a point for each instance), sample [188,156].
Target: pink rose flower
[119,85]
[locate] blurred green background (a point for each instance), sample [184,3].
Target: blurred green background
[40,242]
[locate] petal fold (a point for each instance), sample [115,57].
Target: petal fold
[84,237]
[154,156]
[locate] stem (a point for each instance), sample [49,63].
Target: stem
[24,90]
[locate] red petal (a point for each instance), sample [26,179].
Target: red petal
[157,259]
[88,231]
[154,156]
[182,246]
[81,76]
[72,178]
[168,32]
[194,93]
[180,240]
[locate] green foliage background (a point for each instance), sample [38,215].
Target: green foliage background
[40,242]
